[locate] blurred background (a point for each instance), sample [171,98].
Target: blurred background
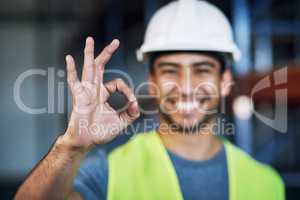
[36,35]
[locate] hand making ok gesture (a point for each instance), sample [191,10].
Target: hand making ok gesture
[93,120]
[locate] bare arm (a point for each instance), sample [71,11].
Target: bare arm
[53,176]
[93,121]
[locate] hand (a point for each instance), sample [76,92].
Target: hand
[93,120]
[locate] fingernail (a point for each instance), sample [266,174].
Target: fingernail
[136,108]
[89,39]
[135,104]
[115,42]
[67,58]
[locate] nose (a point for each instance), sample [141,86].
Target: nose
[185,82]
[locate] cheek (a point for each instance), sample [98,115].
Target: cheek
[166,86]
[209,85]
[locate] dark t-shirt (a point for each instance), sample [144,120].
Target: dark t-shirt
[197,179]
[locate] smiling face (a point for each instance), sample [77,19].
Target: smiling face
[188,88]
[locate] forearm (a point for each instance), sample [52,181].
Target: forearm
[54,175]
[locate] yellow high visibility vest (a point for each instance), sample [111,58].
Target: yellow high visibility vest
[142,170]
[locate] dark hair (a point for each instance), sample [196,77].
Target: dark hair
[225,59]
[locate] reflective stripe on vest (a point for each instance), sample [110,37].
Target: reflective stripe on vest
[142,170]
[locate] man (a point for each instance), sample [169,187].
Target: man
[189,47]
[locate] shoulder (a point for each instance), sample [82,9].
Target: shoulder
[245,158]
[132,146]
[252,169]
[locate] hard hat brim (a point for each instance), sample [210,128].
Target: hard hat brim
[145,50]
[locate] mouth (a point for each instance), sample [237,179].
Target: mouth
[187,106]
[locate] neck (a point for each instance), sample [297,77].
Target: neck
[201,145]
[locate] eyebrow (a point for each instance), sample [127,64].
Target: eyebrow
[195,64]
[162,64]
[207,63]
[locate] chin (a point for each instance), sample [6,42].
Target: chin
[185,124]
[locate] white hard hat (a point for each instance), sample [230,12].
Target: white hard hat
[189,25]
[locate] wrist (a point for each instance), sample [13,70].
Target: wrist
[66,143]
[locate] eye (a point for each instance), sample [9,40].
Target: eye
[169,70]
[202,69]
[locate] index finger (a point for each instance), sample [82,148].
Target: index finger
[103,58]
[118,85]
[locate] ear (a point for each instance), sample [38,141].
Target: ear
[226,83]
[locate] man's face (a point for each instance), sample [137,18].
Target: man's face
[187,88]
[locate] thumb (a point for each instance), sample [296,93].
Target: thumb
[131,113]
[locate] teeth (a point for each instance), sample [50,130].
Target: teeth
[187,106]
